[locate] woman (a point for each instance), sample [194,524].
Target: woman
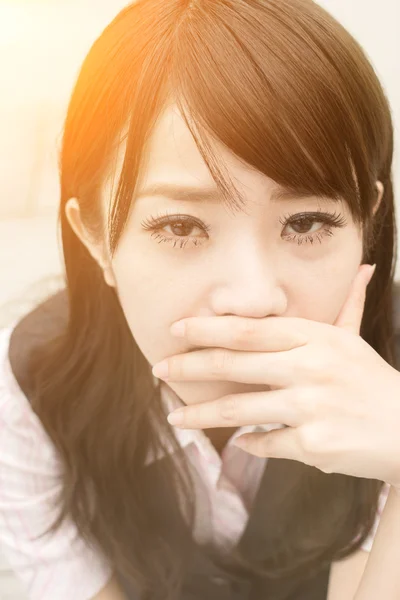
[182,110]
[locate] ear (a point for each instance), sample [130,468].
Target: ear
[380,190]
[97,250]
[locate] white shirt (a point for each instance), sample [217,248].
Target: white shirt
[49,568]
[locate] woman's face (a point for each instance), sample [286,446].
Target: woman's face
[213,261]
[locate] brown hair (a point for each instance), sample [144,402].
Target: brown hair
[288,90]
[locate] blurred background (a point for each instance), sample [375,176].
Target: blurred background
[42,45]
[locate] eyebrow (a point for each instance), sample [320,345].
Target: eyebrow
[190,193]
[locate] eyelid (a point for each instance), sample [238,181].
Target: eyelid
[336,218]
[168,219]
[331,219]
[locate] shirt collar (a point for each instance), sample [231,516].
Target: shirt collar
[171,401]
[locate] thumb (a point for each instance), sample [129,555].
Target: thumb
[350,316]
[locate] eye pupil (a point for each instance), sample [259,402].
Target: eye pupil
[303,225]
[181,228]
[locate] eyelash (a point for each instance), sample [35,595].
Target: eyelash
[331,221]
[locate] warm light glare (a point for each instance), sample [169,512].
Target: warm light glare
[14,21]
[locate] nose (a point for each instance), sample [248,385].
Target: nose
[247,285]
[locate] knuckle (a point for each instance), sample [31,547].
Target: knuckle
[319,366]
[245,330]
[349,345]
[229,409]
[313,442]
[220,361]
[306,402]
[310,440]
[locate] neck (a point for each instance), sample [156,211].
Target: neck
[219,436]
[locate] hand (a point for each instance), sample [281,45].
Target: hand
[339,399]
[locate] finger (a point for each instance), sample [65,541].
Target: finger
[350,316]
[271,334]
[236,410]
[279,443]
[274,369]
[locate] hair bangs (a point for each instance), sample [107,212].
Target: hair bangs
[269,90]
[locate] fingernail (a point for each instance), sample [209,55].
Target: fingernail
[161,370]
[178,329]
[176,417]
[241,442]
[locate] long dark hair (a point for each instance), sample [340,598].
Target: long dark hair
[288,90]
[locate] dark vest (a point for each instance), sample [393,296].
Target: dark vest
[205,580]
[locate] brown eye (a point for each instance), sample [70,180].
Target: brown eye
[311,226]
[303,225]
[181,228]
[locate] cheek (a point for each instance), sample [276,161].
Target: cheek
[151,299]
[324,294]
[141,299]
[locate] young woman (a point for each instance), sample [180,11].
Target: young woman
[227,163]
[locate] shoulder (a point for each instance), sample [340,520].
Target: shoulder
[25,449]
[30,484]
[15,409]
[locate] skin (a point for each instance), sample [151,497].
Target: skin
[247,264]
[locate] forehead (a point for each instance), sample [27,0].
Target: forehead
[173,166]
[172,155]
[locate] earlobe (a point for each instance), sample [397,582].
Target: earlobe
[109,277]
[73,214]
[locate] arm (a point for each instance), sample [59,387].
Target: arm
[346,575]
[381,578]
[375,574]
